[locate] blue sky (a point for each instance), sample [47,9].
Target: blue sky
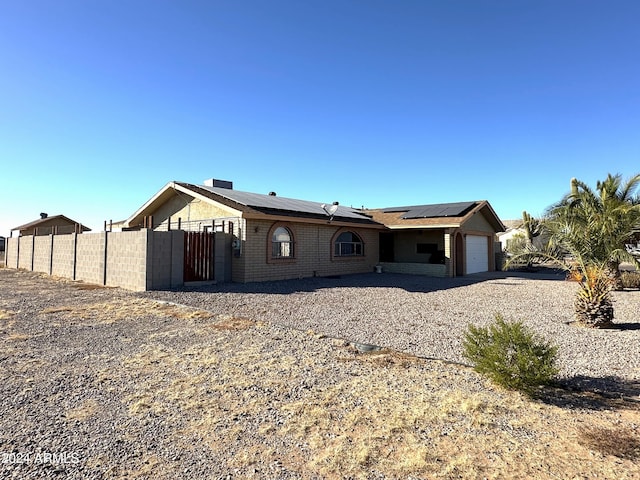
[366,102]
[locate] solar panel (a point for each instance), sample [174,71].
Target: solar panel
[432,211]
[261,201]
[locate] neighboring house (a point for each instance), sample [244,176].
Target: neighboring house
[448,239]
[273,238]
[514,231]
[46,225]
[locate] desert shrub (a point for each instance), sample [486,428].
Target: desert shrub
[630,279]
[510,355]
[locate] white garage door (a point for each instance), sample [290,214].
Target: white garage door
[477,254]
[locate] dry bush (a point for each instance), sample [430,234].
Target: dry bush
[618,442]
[123,309]
[13,337]
[630,279]
[84,411]
[231,323]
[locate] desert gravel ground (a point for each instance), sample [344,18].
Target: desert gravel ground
[263,381]
[426,316]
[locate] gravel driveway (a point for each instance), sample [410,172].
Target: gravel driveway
[426,316]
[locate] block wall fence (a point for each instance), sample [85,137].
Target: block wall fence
[138,260]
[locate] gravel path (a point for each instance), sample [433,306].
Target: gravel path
[426,316]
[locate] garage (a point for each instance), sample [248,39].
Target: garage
[477,254]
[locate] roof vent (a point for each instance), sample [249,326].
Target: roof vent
[43,215]
[215,183]
[272,194]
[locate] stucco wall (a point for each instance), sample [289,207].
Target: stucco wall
[478,223]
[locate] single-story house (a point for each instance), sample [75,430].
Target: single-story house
[446,240]
[273,238]
[515,233]
[47,225]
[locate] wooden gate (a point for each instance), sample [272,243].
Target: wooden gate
[198,256]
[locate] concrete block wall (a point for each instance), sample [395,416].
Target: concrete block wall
[42,253]
[126,260]
[136,260]
[11,253]
[90,257]
[25,253]
[63,255]
[164,259]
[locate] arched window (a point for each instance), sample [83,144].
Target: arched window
[282,243]
[348,244]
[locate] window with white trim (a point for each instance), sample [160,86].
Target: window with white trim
[348,244]
[282,243]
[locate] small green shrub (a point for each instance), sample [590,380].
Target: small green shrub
[630,279]
[510,355]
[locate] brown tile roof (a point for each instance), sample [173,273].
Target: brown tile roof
[50,219]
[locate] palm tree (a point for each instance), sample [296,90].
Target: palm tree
[602,221]
[587,233]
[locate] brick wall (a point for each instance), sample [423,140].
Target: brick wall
[313,245]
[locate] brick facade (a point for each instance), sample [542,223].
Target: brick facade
[312,252]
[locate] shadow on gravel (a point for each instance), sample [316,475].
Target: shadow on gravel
[410,283]
[594,393]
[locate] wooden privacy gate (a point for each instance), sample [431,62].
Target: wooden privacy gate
[198,256]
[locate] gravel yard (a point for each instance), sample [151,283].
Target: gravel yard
[263,381]
[426,316]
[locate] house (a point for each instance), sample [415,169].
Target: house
[46,225]
[515,235]
[513,231]
[269,237]
[445,240]
[272,238]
